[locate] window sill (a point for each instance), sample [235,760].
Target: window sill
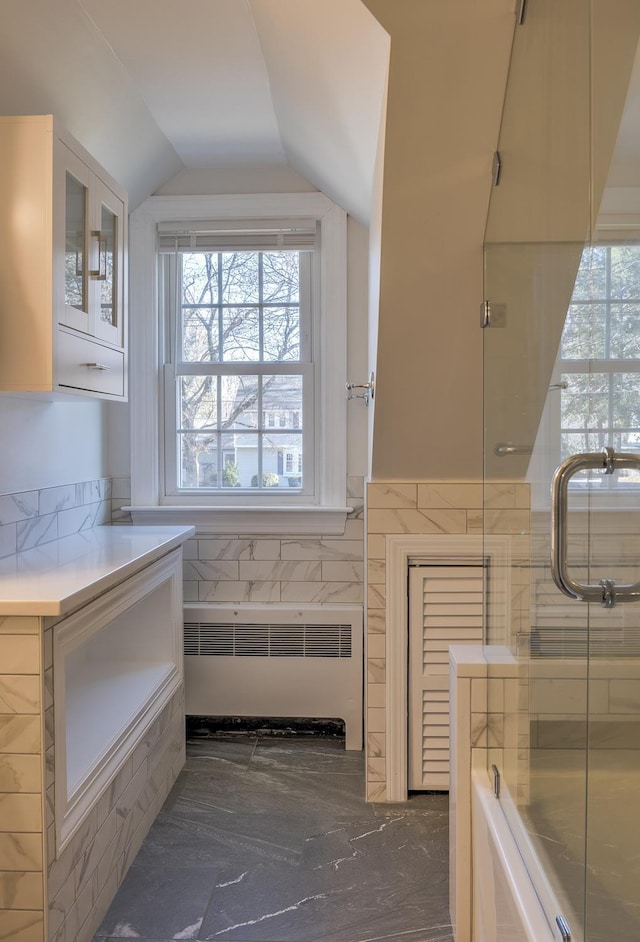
[241,520]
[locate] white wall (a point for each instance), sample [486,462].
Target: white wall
[45,444]
[447,76]
[54,61]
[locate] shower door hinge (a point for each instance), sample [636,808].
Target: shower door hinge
[496,169]
[521,11]
[563,926]
[493,315]
[496,780]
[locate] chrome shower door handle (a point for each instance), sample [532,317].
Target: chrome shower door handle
[606,592]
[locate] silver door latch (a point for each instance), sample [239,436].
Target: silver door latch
[369,390]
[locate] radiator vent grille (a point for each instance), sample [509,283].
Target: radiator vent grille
[559,628]
[238,640]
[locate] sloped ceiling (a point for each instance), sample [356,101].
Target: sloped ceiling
[151,86]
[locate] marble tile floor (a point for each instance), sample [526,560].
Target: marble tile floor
[271,840]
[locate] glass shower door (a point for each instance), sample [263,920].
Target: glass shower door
[562,390]
[538,670]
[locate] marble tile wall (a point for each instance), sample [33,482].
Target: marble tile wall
[30,518]
[120,497]
[83,879]
[22,865]
[63,898]
[438,508]
[232,568]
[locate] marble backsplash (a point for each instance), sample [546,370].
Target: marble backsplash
[228,567]
[31,518]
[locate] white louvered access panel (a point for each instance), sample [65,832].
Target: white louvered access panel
[445,607]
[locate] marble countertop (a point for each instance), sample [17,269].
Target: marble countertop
[56,578]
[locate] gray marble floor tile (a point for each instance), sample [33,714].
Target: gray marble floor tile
[217,752]
[250,838]
[157,903]
[308,756]
[233,790]
[268,840]
[325,905]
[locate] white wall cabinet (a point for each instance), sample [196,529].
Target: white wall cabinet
[63,230]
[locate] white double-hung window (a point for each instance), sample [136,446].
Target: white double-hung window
[239,391]
[238,365]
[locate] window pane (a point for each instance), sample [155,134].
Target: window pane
[627,441]
[240,281]
[287,449]
[584,334]
[575,443]
[626,400]
[239,402]
[282,396]
[200,335]
[199,278]
[625,330]
[198,459]
[625,271]
[585,402]
[281,277]
[107,263]
[281,334]
[241,334]
[75,237]
[198,407]
[247,450]
[591,281]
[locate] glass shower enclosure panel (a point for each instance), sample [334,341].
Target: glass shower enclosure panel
[561,511]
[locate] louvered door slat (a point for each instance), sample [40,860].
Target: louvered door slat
[445,607]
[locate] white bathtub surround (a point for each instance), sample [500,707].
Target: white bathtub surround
[489,902]
[506,907]
[65,880]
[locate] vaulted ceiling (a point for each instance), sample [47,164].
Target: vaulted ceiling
[151,86]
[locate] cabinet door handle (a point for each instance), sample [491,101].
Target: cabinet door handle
[99,272]
[95,272]
[97,366]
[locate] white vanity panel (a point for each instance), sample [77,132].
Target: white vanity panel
[117,662]
[91,634]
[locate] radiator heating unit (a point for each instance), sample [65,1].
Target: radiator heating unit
[275,661]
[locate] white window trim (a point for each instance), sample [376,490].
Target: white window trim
[328,511]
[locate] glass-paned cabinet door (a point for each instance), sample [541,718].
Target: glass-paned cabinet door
[76,311]
[75,240]
[110,279]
